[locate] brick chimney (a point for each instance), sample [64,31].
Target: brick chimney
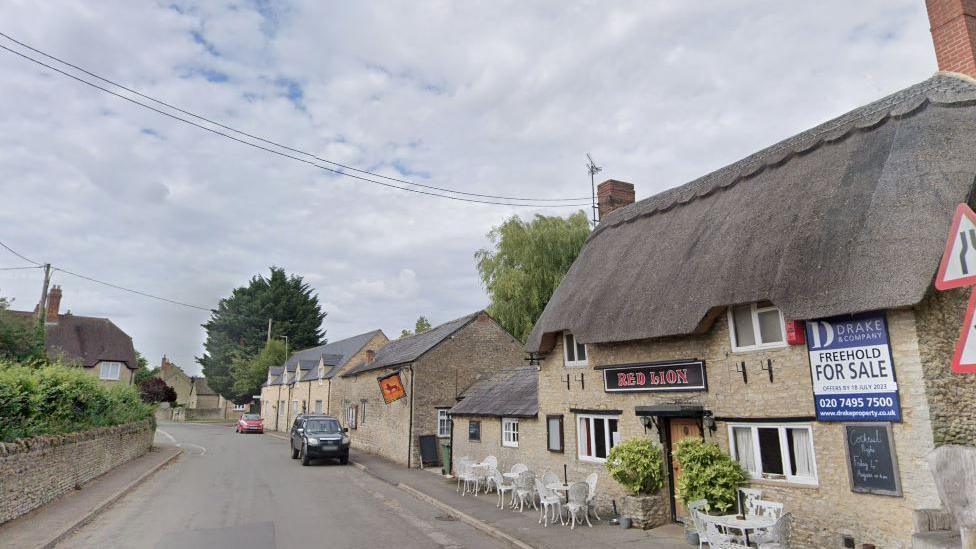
[53,305]
[370,356]
[954,34]
[613,194]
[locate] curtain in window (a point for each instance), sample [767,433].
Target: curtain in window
[803,450]
[744,449]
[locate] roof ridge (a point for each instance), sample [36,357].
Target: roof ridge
[942,89]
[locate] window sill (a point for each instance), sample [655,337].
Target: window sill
[509,445]
[784,483]
[746,350]
[575,364]
[593,460]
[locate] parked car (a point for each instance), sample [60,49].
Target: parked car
[315,436]
[250,423]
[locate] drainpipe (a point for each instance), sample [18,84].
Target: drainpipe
[410,427]
[328,399]
[277,406]
[308,401]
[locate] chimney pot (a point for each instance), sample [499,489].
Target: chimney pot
[953,25]
[53,305]
[612,195]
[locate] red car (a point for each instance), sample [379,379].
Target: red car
[250,423]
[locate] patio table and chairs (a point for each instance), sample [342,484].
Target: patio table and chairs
[761,522]
[465,475]
[503,487]
[550,501]
[525,490]
[577,504]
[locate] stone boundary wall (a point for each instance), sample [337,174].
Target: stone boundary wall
[194,414]
[37,470]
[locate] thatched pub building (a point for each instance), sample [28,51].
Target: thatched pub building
[782,307]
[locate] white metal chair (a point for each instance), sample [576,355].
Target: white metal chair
[748,498]
[492,465]
[502,488]
[577,505]
[467,476]
[591,498]
[714,536]
[552,478]
[524,489]
[695,510]
[460,467]
[549,501]
[770,509]
[518,468]
[776,536]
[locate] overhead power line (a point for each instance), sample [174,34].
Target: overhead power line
[16,253]
[131,291]
[21,268]
[564,202]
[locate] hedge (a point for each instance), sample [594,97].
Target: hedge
[58,399]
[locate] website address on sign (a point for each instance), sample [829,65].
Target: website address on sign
[846,414]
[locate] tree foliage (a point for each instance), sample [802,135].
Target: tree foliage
[250,373]
[638,465]
[21,340]
[707,473]
[143,372]
[526,262]
[238,327]
[419,327]
[153,390]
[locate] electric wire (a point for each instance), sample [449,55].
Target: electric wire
[18,254]
[21,268]
[276,144]
[130,290]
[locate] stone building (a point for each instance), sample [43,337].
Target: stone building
[305,382]
[781,307]
[94,344]
[403,392]
[174,376]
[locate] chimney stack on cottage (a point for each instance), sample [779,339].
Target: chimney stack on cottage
[53,305]
[613,194]
[370,356]
[954,34]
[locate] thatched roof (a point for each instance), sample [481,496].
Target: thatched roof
[508,393]
[849,216]
[85,340]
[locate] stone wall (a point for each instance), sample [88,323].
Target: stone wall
[531,450]
[203,414]
[826,511]
[952,397]
[383,428]
[37,470]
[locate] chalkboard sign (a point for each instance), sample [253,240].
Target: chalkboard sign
[428,451]
[871,462]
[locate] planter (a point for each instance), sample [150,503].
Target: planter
[691,537]
[625,522]
[646,511]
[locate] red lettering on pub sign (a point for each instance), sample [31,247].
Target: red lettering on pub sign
[685,375]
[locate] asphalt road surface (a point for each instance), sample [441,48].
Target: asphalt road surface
[244,492]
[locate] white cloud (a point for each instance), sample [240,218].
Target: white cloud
[501,98]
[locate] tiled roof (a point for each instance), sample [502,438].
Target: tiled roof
[508,393]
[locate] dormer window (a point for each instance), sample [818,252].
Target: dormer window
[756,326]
[574,353]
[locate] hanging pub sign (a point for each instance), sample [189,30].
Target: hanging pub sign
[392,387]
[852,370]
[681,375]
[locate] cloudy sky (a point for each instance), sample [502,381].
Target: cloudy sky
[500,98]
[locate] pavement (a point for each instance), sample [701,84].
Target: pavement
[524,526]
[45,526]
[244,492]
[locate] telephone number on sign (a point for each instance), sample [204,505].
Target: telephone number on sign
[857,402]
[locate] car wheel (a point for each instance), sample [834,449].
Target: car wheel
[305,460]
[294,453]
[344,460]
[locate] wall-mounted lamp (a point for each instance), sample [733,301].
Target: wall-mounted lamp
[708,421]
[741,368]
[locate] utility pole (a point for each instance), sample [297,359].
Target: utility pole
[269,330]
[593,169]
[42,306]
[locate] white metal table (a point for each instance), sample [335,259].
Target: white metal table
[745,525]
[560,487]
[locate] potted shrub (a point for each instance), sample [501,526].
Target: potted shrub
[638,465]
[707,473]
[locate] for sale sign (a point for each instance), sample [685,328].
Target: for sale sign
[852,370]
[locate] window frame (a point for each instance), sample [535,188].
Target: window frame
[562,434]
[111,363]
[510,432]
[474,422]
[754,311]
[361,412]
[783,449]
[351,416]
[442,416]
[318,406]
[576,362]
[608,440]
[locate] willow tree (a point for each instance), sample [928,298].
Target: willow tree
[525,263]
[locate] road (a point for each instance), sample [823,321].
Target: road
[243,492]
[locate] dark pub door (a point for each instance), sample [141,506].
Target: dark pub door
[679,428]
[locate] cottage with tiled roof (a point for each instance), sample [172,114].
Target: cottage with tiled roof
[401,394]
[95,344]
[304,383]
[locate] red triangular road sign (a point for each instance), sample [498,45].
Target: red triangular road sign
[964,359]
[958,266]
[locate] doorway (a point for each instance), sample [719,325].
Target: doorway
[678,429]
